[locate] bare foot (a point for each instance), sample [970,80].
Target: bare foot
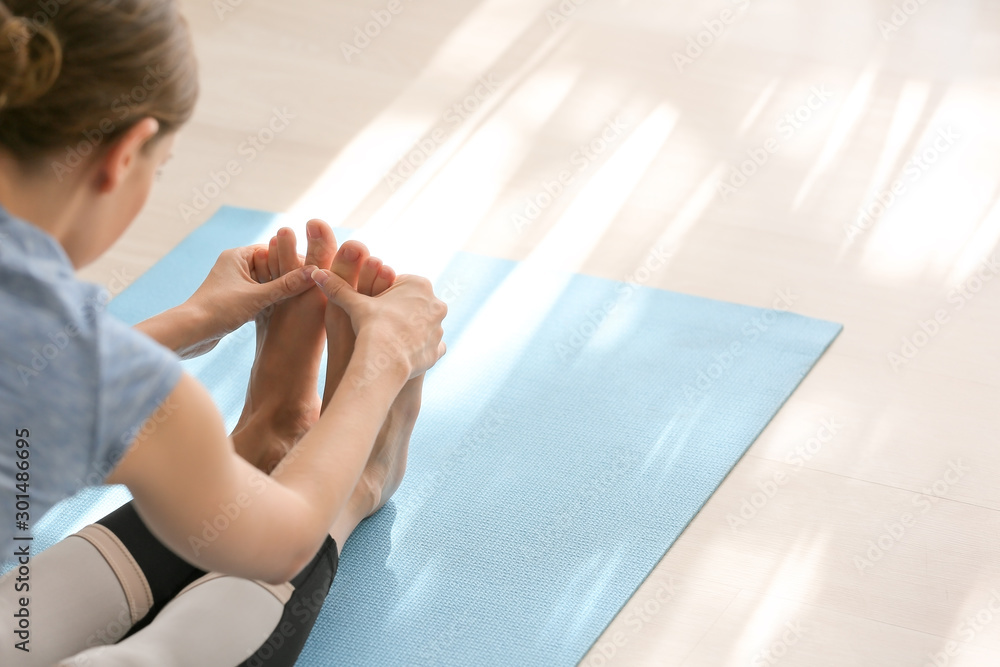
[282,402]
[387,463]
[287,400]
[352,258]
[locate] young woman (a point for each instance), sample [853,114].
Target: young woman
[91,95]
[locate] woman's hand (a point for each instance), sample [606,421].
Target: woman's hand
[229,297]
[232,295]
[404,320]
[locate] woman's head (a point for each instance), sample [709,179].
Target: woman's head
[83,82]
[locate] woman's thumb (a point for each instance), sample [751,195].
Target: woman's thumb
[337,289]
[292,283]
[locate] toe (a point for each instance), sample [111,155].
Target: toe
[272,259]
[347,264]
[386,277]
[322,244]
[369,272]
[261,272]
[288,256]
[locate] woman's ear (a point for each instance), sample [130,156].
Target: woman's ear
[123,154]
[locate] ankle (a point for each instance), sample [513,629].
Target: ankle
[366,497]
[254,442]
[362,504]
[264,435]
[285,418]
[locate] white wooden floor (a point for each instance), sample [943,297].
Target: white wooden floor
[881,544]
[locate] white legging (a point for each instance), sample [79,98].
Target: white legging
[222,621]
[87,592]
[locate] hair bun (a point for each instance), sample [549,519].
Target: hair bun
[30,60]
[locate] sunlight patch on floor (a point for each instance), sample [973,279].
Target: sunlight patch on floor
[850,115]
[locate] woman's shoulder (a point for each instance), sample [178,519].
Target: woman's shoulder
[39,283]
[44,309]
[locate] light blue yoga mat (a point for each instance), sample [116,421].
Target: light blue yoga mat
[575,428]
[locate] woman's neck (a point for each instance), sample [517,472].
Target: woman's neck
[44,202]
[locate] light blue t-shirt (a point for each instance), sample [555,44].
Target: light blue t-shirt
[76,384]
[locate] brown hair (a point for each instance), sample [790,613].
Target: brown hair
[75,74]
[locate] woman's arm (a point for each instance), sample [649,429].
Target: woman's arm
[222,514]
[186,329]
